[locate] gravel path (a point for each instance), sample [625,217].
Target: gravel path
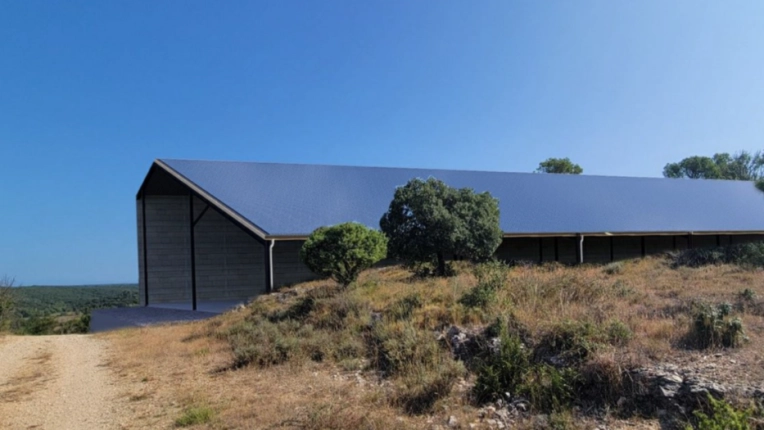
[56,382]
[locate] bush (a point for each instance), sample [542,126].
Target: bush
[418,392]
[570,342]
[491,277]
[263,343]
[613,268]
[510,371]
[428,220]
[424,369]
[343,251]
[746,255]
[502,371]
[404,308]
[712,327]
[723,416]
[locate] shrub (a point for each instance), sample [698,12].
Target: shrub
[263,343]
[746,255]
[424,369]
[569,342]
[618,333]
[747,295]
[404,308]
[418,392]
[510,371]
[549,388]
[723,416]
[428,220]
[503,371]
[398,347]
[343,251]
[491,277]
[712,327]
[613,268]
[195,415]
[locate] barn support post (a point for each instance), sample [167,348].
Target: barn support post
[556,249]
[689,240]
[192,241]
[612,253]
[580,249]
[541,249]
[673,240]
[145,273]
[642,245]
[268,264]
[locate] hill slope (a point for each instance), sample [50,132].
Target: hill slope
[543,346]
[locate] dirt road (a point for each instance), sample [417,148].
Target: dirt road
[57,382]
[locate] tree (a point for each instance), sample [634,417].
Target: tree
[342,251]
[743,166]
[7,302]
[428,220]
[559,165]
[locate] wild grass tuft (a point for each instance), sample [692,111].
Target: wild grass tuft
[195,415]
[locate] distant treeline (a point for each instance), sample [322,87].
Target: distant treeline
[39,300]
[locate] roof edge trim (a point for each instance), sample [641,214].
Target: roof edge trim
[215,201]
[287,237]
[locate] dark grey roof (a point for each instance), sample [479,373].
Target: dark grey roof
[293,199]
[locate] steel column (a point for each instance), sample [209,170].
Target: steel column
[145,249]
[193,248]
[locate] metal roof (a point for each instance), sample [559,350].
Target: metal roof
[293,199]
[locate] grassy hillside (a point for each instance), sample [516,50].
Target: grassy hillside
[532,346]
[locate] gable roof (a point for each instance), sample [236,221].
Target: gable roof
[291,200]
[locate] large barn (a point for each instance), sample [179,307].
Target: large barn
[212,234]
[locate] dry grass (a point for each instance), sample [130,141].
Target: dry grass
[172,368]
[27,380]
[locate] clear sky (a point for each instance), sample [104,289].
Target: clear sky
[92,92]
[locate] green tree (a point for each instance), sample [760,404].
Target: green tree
[343,251]
[428,220]
[743,166]
[559,165]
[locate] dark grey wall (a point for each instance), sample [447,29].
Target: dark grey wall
[602,249]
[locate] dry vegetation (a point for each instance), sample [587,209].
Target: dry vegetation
[317,356]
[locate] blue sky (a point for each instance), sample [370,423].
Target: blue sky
[92,92]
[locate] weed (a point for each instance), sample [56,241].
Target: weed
[195,415]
